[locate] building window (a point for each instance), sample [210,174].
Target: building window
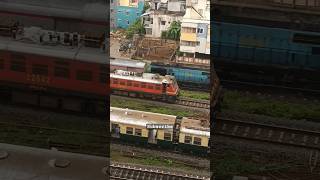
[129,130]
[151,20]
[197,141]
[83,75]
[40,69]
[198,43]
[138,132]
[128,22]
[163,23]
[200,30]
[187,139]
[127,13]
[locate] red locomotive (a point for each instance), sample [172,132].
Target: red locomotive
[144,85]
[51,64]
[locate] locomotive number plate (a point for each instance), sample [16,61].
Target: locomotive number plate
[38,79]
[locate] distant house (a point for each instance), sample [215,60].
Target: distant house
[125,12]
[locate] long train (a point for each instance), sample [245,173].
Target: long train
[53,72]
[266,54]
[87,17]
[160,130]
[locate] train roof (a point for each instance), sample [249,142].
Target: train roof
[24,162]
[127,63]
[87,54]
[145,77]
[140,118]
[88,10]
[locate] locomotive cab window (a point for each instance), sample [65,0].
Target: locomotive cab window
[187,139]
[306,38]
[197,141]
[129,130]
[84,75]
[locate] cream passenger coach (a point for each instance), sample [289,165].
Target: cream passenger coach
[159,130]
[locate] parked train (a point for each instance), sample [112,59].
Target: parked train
[185,76]
[280,54]
[146,85]
[37,60]
[159,130]
[86,17]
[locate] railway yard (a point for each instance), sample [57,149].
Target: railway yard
[253,112]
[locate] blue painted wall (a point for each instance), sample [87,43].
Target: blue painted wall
[125,16]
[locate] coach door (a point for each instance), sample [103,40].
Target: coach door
[152,136]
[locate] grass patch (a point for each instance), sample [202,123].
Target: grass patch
[150,161]
[250,103]
[144,106]
[195,94]
[231,164]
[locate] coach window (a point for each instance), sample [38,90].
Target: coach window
[150,86]
[143,85]
[18,65]
[115,81]
[61,69]
[40,69]
[83,75]
[129,83]
[122,82]
[129,130]
[138,132]
[167,136]
[187,139]
[158,87]
[103,74]
[136,84]
[197,141]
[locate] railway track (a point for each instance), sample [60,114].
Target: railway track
[125,172]
[268,87]
[193,103]
[268,133]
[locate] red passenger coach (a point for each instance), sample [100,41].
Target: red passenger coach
[144,85]
[53,75]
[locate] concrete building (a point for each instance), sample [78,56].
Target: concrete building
[125,12]
[161,14]
[195,29]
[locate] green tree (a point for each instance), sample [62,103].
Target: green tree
[174,31]
[135,28]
